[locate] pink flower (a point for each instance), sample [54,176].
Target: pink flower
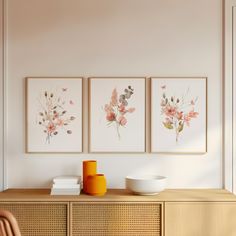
[114,98]
[122,121]
[193,114]
[187,119]
[179,115]
[51,128]
[122,108]
[131,110]
[170,111]
[60,122]
[117,108]
[111,116]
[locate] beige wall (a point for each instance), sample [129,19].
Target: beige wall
[113,38]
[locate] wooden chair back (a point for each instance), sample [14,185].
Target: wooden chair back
[8,224]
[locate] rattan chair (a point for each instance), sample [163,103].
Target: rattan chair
[8,224]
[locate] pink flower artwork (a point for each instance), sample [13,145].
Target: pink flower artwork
[117,109]
[53,116]
[177,113]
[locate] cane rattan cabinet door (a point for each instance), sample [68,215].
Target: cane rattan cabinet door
[116,218]
[40,218]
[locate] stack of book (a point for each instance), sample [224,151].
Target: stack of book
[66,185]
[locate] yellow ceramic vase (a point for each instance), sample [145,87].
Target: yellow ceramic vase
[96,185]
[89,168]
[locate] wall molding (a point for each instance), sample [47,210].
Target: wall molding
[229,96]
[5,75]
[3,96]
[2,91]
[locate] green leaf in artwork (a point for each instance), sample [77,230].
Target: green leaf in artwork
[168,125]
[181,127]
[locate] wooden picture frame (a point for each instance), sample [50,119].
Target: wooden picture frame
[179,115]
[54,115]
[126,118]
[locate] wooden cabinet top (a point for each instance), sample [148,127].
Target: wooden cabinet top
[119,195]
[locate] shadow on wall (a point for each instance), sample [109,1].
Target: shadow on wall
[58,15]
[182,165]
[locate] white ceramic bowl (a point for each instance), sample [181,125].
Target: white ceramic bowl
[146,184]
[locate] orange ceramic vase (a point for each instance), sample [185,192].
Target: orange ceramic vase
[96,185]
[89,168]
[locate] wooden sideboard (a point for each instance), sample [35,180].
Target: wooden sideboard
[171,213]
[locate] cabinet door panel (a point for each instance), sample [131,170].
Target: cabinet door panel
[200,219]
[113,219]
[39,219]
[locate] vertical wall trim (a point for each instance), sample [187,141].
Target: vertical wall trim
[228,134]
[4,3]
[234,95]
[3,94]
[5,53]
[2,52]
[223,95]
[230,97]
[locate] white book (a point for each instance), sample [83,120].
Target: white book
[66,186]
[67,179]
[65,191]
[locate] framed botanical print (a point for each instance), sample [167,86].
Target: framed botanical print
[117,114]
[54,115]
[179,115]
